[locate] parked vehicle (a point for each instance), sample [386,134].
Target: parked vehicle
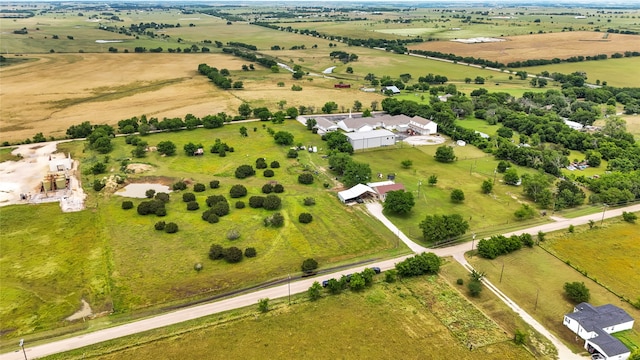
[376,269]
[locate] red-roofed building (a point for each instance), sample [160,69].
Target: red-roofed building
[382,190]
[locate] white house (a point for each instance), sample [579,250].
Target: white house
[324,126]
[422,126]
[595,324]
[358,124]
[371,139]
[358,191]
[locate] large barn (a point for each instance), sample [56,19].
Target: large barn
[371,139]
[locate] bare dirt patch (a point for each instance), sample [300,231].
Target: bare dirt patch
[424,140]
[540,46]
[139,190]
[139,168]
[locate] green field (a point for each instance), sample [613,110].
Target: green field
[129,266]
[413,317]
[614,71]
[534,280]
[483,212]
[608,253]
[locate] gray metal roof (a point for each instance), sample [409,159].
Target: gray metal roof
[608,344]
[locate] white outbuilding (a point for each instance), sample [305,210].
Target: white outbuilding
[356,192]
[371,139]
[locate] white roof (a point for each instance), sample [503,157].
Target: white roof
[393,88]
[354,192]
[369,134]
[381,183]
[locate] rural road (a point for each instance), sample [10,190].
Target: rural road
[302,285]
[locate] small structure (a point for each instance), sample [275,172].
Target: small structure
[324,126]
[383,187]
[482,135]
[199,152]
[595,324]
[342,86]
[445,97]
[461,143]
[359,191]
[394,90]
[371,139]
[572,124]
[422,126]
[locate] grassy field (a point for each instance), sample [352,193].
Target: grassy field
[613,71]
[142,268]
[534,279]
[381,322]
[482,211]
[608,253]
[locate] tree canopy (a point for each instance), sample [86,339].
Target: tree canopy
[399,202]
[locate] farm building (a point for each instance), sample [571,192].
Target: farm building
[61,164]
[422,126]
[595,324]
[342,86]
[394,90]
[352,124]
[383,187]
[371,139]
[573,125]
[324,126]
[359,191]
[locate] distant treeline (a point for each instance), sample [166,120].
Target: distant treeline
[223,15]
[251,57]
[518,64]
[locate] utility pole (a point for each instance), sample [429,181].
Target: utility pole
[22,346]
[535,307]
[501,272]
[604,208]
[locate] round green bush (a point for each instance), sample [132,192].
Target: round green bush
[278,188]
[216,252]
[267,189]
[250,252]
[305,218]
[305,178]
[232,254]
[193,205]
[171,228]
[160,225]
[275,165]
[198,187]
[187,197]
[460,282]
[238,191]
[240,205]
[126,205]
[268,173]
[214,184]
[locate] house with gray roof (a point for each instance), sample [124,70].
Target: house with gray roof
[595,324]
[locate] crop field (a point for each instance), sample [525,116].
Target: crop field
[540,46]
[533,274]
[473,166]
[130,266]
[613,71]
[608,253]
[382,322]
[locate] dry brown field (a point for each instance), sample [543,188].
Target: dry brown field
[59,90]
[540,46]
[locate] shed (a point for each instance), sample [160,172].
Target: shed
[394,90]
[371,139]
[358,191]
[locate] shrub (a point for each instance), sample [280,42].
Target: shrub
[162,196]
[216,252]
[460,282]
[126,205]
[237,191]
[390,276]
[150,207]
[524,212]
[305,178]
[268,173]
[250,252]
[197,267]
[457,196]
[475,288]
[214,199]
[199,187]
[221,208]
[180,185]
[425,263]
[261,163]
[278,188]
[233,234]
[214,184]
[308,265]
[275,220]
[256,202]
[149,193]
[161,211]
[572,229]
[240,205]
[210,217]
[244,171]
[629,217]
[232,254]
[577,292]
[160,225]
[193,205]
[274,165]
[272,202]
[171,228]
[309,201]
[267,189]
[305,218]
[292,154]
[187,197]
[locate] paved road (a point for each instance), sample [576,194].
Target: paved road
[302,285]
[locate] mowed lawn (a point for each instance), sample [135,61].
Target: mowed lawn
[534,280]
[379,322]
[482,211]
[608,253]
